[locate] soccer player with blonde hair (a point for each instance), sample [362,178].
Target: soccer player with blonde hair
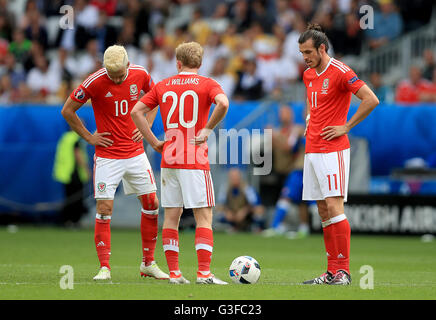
[185,100]
[119,152]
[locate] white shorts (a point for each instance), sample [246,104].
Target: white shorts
[186,188]
[326,175]
[136,174]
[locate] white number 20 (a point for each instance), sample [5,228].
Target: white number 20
[181,102]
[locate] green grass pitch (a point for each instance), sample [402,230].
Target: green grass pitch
[30,260]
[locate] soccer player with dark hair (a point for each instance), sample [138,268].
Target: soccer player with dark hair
[330,84]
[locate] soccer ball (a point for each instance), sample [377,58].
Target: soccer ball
[244,269]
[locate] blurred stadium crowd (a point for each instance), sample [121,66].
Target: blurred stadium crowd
[251,46]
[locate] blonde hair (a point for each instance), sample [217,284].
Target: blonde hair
[115,58]
[190,54]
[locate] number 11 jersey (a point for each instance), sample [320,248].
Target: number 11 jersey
[185,100]
[112,104]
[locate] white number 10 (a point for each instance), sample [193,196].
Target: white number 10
[123,108]
[183,123]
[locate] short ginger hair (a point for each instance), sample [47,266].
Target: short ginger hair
[190,54]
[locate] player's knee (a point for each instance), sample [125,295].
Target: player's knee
[104,208]
[150,203]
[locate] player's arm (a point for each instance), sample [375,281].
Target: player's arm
[144,126]
[307,116]
[369,102]
[150,116]
[69,113]
[218,114]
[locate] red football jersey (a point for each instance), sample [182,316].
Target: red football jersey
[329,95]
[112,104]
[184,101]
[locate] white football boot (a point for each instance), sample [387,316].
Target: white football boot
[179,280]
[153,271]
[211,279]
[103,274]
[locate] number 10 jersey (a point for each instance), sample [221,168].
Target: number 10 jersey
[112,104]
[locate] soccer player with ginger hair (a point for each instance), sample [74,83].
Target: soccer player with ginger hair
[329,85]
[119,152]
[185,100]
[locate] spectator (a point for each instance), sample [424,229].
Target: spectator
[383,92]
[291,49]
[353,35]
[249,85]
[89,61]
[36,30]
[220,75]
[240,15]
[388,25]
[212,50]
[429,93]
[72,170]
[109,7]
[219,21]
[284,70]
[261,15]
[5,27]
[199,27]
[292,193]
[105,34]
[20,46]
[283,139]
[241,205]
[410,90]
[16,73]
[42,80]
[285,14]
[429,64]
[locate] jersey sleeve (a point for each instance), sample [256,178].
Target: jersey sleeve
[150,99]
[350,82]
[214,89]
[148,83]
[80,94]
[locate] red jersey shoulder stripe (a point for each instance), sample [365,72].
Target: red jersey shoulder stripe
[93,77]
[341,64]
[138,67]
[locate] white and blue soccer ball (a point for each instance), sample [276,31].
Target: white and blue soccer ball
[244,269]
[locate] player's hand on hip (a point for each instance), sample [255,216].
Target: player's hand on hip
[332,132]
[201,138]
[99,139]
[137,135]
[158,146]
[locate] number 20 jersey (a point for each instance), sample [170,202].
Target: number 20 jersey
[112,104]
[185,100]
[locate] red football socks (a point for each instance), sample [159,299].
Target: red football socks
[170,240]
[337,235]
[149,226]
[102,239]
[342,238]
[204,248]
[330,247]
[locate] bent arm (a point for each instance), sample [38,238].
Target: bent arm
[369,102]
[218,114]
[142,123]
[69,113]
